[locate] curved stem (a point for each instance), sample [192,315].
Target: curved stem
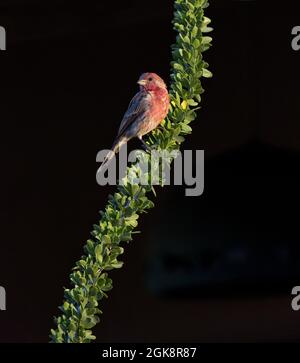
[89,278]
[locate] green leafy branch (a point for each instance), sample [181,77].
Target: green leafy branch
[89,278]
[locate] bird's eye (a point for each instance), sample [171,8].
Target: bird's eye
[150,79]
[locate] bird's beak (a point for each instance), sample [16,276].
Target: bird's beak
[142,82]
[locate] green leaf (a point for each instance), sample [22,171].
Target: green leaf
[178,67]
[191,102]
[206,40]
[117,264]
[186,128]
[184,105]
[98,253]
[106,239]
[207,73]
[196,43]
[194,31]
[89,322]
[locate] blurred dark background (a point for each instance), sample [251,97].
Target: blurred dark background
[217,268]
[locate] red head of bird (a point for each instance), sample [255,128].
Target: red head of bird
[151,82]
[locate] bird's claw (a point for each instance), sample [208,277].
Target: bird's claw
[147,148]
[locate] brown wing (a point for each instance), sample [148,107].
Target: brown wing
[137,108]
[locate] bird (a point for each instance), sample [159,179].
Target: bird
[147,109]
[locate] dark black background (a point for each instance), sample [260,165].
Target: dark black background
[66,78]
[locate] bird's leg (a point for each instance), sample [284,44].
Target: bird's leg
[146,147]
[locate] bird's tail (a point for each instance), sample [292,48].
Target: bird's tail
[114,150]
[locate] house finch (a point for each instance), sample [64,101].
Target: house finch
[145,112]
